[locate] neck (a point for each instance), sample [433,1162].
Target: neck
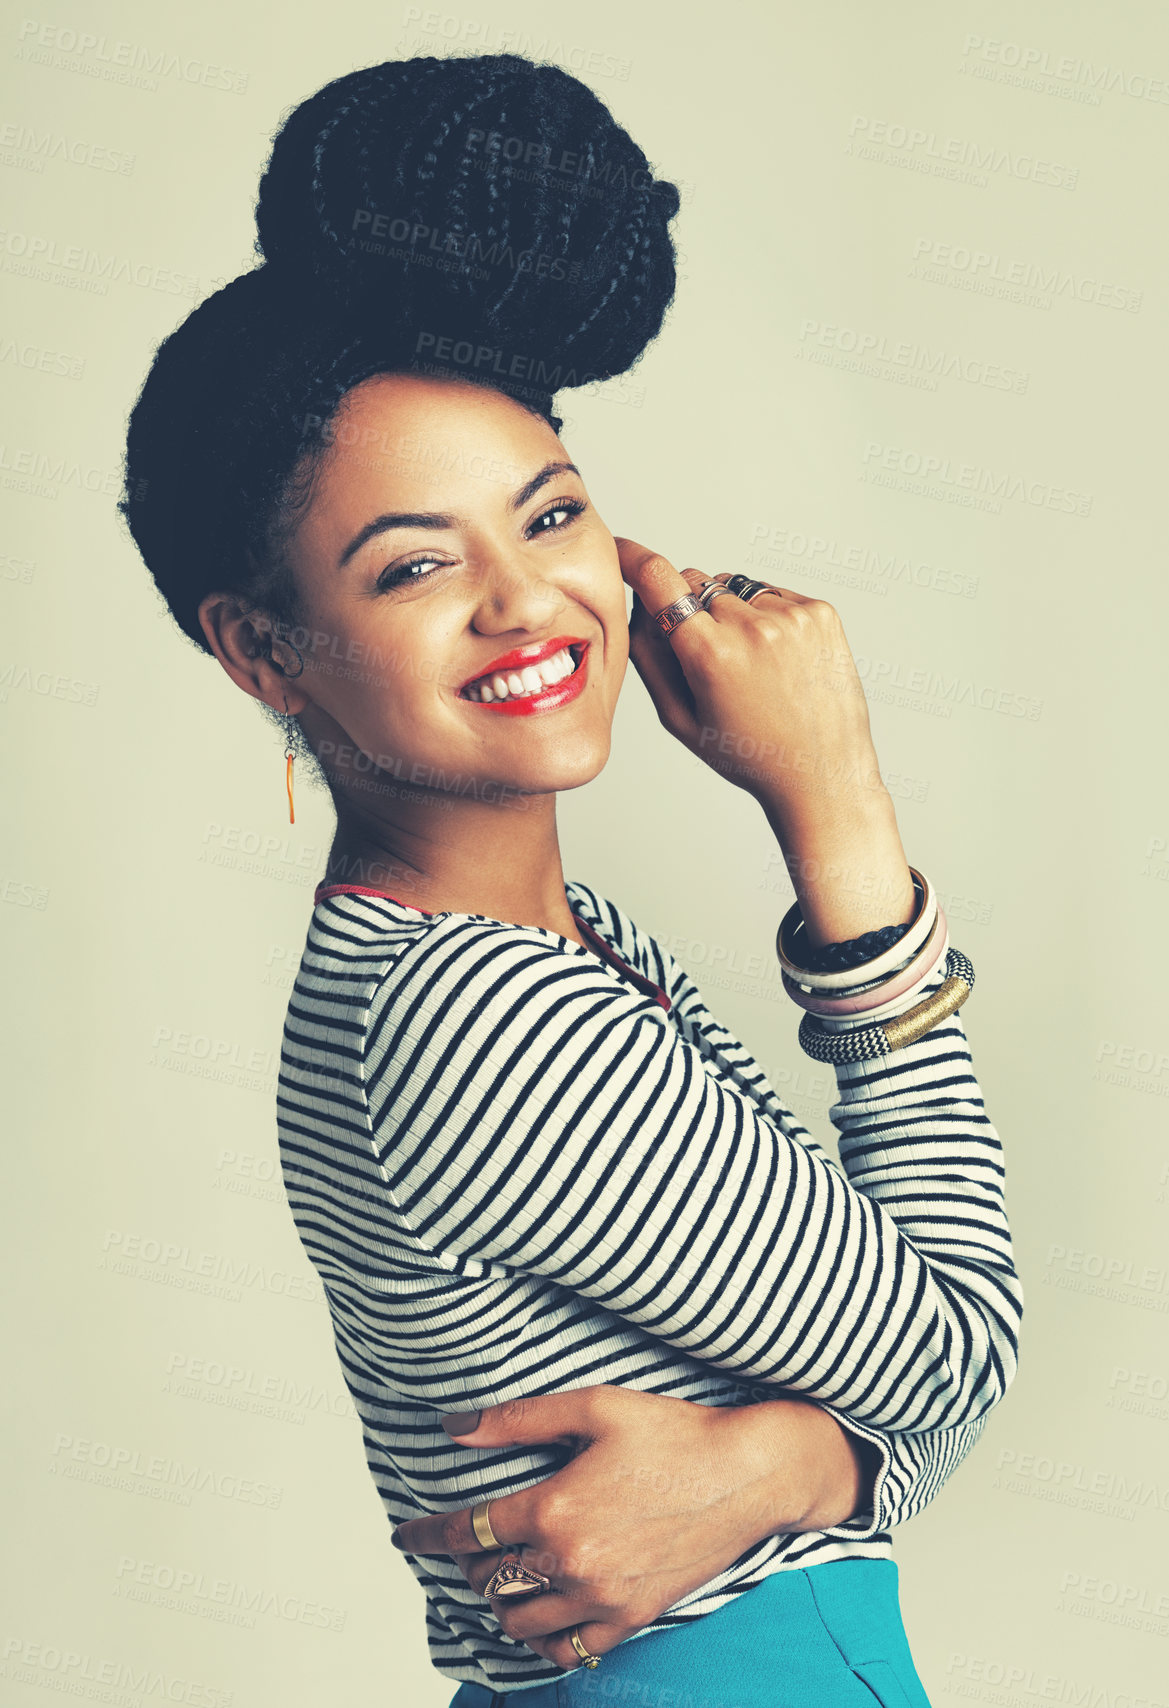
[442,852]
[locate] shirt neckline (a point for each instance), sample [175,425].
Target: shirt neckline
[604,948]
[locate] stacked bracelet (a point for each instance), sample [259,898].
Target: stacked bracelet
[875,996]
[874,976]
[879,1039]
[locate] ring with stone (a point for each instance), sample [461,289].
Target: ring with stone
[512,1578]
[588,1659]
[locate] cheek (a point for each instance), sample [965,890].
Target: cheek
[400,654]
[610,602]
[618,622]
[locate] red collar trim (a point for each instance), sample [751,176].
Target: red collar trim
[645,985]
[323,890]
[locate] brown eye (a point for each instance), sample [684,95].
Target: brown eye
[404,572]
[558,515]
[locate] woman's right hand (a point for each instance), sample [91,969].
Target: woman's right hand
[660,1496]
[768,695]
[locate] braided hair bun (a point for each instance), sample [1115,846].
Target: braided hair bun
[482,217]
[489,198]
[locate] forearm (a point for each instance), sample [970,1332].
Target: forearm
[793,1467]
[846,863]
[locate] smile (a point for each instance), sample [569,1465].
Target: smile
[549,683]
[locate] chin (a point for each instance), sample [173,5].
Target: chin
[570,769]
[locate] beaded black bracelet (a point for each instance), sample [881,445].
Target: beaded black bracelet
[838,957]
[855,951]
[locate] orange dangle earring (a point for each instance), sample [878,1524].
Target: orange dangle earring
[289,756]
[289,749]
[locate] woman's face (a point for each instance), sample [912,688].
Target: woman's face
[448,531]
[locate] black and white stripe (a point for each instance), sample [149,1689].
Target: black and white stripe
[516,1171]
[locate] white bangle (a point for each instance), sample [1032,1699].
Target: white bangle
[884,964]
[868,1016]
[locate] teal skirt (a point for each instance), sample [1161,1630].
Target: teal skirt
[827,1637]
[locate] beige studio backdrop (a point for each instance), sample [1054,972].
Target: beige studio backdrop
[915,367]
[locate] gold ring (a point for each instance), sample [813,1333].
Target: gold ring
[574,1639]
[513,1578]
[481,1525]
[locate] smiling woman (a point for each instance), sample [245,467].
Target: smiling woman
[429,570]
[699,1369]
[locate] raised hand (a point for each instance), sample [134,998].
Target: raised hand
[768,695]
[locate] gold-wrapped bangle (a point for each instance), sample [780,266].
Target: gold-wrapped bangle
[880,1037]
[916,1022]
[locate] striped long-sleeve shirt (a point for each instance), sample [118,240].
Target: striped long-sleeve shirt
[521,1166]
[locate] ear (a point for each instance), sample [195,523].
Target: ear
[236,634]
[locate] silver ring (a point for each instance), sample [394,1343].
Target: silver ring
[710,593]
[672,616]
[744,588]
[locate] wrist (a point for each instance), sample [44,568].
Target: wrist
[794,1468]
[839,1472]
[849,870]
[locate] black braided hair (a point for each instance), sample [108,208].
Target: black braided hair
[481,217]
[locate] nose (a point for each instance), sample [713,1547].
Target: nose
[515,594]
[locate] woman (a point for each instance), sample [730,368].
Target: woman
[526,1160]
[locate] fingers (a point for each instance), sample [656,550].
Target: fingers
[544,1615]
[452,1532]
[657,584]
[787,593]
[531,1616]
[567,1417]
[441,1533]
[597,1636]
[573,1418]
[479,1569]
[660,669]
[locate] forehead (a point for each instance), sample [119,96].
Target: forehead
[409,442]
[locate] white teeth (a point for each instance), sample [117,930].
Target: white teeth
[530,679]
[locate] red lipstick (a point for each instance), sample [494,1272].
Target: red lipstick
[521,655]
[547,699]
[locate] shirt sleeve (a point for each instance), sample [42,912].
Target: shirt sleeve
[533,1111]
[913,1467]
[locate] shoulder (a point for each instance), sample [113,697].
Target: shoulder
[352,929]
[390,972]
[476,992]
[352,942]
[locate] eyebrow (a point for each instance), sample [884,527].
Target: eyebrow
[439,519]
